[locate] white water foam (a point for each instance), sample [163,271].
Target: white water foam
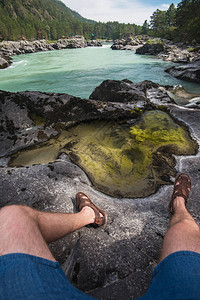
[17,63]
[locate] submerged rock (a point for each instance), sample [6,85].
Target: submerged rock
[121,160]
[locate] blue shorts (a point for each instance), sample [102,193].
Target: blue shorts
[177,277]
[24,276]
[27,277]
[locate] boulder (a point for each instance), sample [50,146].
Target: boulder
[128,42]
[70,43]
[188,72]
[177,54]
[94,43]
[151,49]
[4,63]
[142,94]
[194,103]
[117,46]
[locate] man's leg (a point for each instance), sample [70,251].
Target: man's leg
[178,277]
[183,233]
[25,230]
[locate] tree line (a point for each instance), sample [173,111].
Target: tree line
[181,23]
[51,19]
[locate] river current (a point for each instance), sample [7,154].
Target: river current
[78,71]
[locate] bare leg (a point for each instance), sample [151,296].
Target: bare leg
[183,233]
[25,230]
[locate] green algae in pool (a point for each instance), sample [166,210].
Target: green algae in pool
[121,160]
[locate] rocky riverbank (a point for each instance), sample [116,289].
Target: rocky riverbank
[116,261]
[10,48]
[166,50]
[129,42]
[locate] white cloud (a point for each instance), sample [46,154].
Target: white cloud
[124,11]
[165,6]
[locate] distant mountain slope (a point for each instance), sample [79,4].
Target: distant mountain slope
[37,19]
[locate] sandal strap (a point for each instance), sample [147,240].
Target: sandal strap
[181,190]
[82,200]
[182,187]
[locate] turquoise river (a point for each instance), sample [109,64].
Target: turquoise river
[79,71]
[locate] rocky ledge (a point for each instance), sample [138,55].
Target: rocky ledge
[10,48]
[188,72]
[114,262]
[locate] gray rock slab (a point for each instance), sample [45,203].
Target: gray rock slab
[188,72]
[150,49]
[116,261]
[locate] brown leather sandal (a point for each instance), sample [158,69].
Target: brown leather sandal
[182,187]
[83,200]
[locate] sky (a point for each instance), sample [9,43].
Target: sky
[123,11]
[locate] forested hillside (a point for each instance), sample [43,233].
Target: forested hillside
[51,19]
[179,24]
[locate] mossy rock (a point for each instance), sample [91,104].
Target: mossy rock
[154,42]
[121,160]
[38,120]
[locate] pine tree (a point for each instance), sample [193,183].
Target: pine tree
[145,27]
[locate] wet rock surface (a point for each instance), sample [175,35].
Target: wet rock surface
[114,262]
[123,160]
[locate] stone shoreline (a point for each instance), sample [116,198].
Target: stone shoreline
[189,56]
[143,45]
[11,48]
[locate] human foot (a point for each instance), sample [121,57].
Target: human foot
[82,200]
[182,187]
